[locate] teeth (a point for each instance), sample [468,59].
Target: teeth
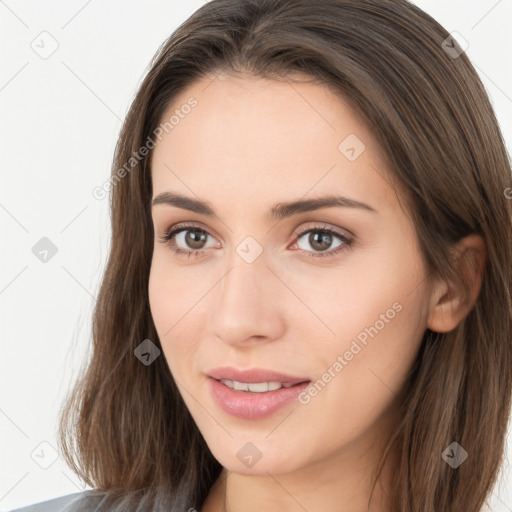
[254,387]
[240,386]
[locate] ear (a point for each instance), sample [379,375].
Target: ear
[452,301]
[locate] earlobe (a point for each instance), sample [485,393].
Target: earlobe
[452,301]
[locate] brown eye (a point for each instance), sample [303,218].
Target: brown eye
[320,239]
[194,239]
[187,239]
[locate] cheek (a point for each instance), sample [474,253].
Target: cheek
[174,299]
[376,292]
[364,374]
[378,315]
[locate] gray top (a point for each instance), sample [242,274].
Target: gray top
[87,501]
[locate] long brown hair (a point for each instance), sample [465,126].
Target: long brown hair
[125,429]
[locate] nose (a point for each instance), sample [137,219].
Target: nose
[248,304]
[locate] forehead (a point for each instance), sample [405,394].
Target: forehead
[248,137]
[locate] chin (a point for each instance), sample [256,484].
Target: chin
[258,457]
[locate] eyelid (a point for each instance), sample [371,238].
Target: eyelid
[297,233]
[183,226]
[327,227]
[347,238]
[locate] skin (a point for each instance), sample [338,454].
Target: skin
[249,144]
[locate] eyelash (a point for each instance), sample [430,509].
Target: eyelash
[167,239]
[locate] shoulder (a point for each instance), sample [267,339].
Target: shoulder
[86,501]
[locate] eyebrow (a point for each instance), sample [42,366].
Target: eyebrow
[277,212]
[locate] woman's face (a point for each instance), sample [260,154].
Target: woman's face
[268,288]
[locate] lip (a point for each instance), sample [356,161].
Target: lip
[254,375]
[248,405]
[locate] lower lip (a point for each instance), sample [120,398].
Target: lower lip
[251,406]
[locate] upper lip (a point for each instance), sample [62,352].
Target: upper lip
[254,375]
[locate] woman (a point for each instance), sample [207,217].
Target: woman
[307,301]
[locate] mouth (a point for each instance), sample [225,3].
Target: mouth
[254,393]
[256,387]
[233,376]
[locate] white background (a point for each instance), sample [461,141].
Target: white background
[60,118]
